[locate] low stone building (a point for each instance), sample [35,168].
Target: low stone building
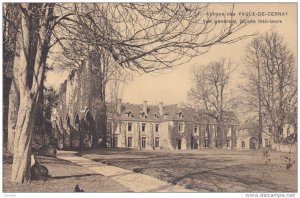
[247,138]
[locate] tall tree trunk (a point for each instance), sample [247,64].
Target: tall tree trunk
[30,75]
[22,142]
[23,133]
[220,135]
[224,133]
[14,103]
[6,97]
[10,39]
[14,99]
[211,129]
[260,118]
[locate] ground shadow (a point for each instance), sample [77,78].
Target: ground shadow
[75,176]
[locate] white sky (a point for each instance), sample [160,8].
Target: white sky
[172,87]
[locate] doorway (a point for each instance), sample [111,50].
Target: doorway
[179,144]
[252,143]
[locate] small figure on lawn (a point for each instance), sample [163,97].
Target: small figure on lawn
[77,189]
[38,172]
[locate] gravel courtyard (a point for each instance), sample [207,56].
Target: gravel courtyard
[209,170]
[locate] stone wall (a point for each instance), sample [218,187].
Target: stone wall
[77,114]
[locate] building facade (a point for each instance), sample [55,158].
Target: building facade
[247,138]
[151,127]
[78,121]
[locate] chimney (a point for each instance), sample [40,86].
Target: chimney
[145,107]
[119,105]
[161,108]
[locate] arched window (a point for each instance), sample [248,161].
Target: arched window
[88,117]
[76,118]
[68,120]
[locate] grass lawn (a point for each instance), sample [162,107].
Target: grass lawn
[209,170]
[64,177]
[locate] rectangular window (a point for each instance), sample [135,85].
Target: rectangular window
[266,143]
[156,142]
[228,143]
[206,143]
[195,130]
[206,134]
[129,142]
[180,127]
[157,128]
[229,132]
[143,127]
[115,142]
[143,142]
[129,127]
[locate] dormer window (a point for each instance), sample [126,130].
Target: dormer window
[180,115]
[129,114]
[166,115]
[195,129]
[142,115]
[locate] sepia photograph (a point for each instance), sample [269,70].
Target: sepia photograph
[161,97]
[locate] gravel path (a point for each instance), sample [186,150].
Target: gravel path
[134,181]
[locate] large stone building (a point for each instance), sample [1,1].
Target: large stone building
[140,126]
[82,120]
[143,126]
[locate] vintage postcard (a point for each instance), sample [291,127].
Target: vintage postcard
[150,97]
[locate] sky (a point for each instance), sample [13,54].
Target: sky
[172,86]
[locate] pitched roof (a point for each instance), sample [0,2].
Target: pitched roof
[170,112]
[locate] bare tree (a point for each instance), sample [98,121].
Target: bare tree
[253,95]
[148,37]
[143,37]
[115,91]
[271,83]
[210,92]
[37,23]
[10,29]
